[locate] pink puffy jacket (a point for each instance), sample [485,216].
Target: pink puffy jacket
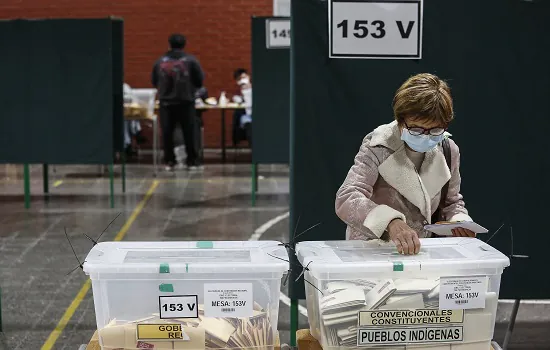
[383,184]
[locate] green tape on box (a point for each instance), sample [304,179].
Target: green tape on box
[398,266]
[205,244]
[166,288]
[164,268]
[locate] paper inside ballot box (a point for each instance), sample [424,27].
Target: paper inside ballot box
[196,339]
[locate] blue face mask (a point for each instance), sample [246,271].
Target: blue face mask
[421,143]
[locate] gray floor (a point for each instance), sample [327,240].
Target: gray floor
[35,256]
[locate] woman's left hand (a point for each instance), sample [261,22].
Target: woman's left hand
[462,232]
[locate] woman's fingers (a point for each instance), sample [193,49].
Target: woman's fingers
[398,245]
[416,244]
[405,246]
[410,244]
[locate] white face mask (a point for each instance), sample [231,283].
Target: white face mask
[243,81]
[421,143]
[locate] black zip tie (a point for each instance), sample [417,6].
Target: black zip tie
[304,269]
[494,234]
[98,238]
[74,252]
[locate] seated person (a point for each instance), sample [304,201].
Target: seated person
[242,119]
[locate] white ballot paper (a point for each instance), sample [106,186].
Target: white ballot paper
[445,228]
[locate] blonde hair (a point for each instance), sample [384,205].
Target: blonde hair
[424,96]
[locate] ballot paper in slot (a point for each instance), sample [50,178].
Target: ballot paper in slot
[445,228]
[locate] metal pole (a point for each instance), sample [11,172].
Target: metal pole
[123,171]
[27,185]
[223,135]
[293,321]
[155,144]
[1,311]
[45,177]
[254,183]
[112,184]
[511,325]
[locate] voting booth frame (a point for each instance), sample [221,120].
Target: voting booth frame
[271,96]
[46,186]
[49,121]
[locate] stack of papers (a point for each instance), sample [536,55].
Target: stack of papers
[202,332]
[344,299]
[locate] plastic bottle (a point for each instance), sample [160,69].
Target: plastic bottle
[223,99]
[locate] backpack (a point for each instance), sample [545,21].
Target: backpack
[175,80]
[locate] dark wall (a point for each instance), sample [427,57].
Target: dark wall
[495,57]
[57,92]
[270,98]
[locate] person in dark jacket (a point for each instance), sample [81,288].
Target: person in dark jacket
[177,75]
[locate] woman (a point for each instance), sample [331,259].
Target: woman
[395,184]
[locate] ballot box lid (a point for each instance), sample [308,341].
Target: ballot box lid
[187,257]
[355,256]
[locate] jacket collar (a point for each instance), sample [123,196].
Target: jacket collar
[418,187]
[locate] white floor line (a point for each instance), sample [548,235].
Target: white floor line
[256,237]
[261,230]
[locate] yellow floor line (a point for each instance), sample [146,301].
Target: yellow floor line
[54,335]
[57,183]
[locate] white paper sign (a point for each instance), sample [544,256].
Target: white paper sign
[178,306]
[375,29]
[228,300]
[277,33]
[409,335]
[462,292]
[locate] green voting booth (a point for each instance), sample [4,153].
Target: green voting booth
[496,63]
[270,97]
[61,94]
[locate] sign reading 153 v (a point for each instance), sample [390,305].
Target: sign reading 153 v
[389,29]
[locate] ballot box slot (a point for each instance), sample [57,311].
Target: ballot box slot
[187,256]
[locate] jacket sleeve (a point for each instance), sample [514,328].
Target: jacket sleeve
[197,74]
[353,200]
[155,74]
[454,208]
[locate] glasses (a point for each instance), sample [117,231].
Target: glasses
[416,131]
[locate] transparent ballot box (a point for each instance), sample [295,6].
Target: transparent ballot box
[186,295]
[366,294]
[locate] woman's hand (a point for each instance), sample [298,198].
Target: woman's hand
[404,237]
[462,232]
